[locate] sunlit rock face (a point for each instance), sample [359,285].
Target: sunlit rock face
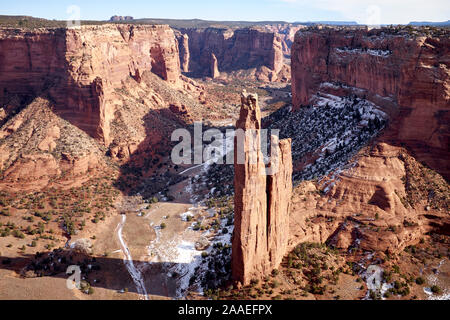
[234,49]
[408,76]
[80,68]
[261,201]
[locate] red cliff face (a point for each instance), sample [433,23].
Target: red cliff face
[408,76]
[183,47]
[261,202]
[286,33]
[279,190]
[81,68]
[235,50]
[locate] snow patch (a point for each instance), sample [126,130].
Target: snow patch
[372,52]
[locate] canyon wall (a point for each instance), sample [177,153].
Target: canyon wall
[408,76]
[286,33]
[80,68]
[261,201]
[234,49]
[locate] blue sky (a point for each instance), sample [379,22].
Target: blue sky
[362,11]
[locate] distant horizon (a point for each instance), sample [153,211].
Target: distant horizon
[335,22]
[363,12]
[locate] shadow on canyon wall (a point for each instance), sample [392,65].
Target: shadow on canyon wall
[148,169]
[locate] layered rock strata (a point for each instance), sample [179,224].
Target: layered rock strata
[80,68]
[409,76]
[262,199]
[183,47]
[234,49]
[286,33]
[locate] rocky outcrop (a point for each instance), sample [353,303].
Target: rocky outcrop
[234,49]
[80,68]
[286,33]
[39,150]
[408,76]
[378,204]
[279,190]
[261,201]
[183,47]
[214,67]
[121,18]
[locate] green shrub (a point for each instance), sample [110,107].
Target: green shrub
[420,280]
[436,290]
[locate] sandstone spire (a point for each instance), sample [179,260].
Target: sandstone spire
[261,201]
[249,246]
[279,191]
[214,67]
[184,52]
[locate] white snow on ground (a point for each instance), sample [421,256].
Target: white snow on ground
[191,168]
[135,274]
[372,52]
[180,255]
[188,259]
[433,280]
[373,276]
[184,216]
[431,296]
[367,110]
[374,281]
[186,252]
[228,147]
[224,239]
[339,85]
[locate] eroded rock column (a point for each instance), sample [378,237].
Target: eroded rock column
[184,52]
[214,67]
[279,192]
[262,198]
[249,246]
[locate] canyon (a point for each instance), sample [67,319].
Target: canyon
[79,69]
[406,75]
[360,168]
[101,82]
[234,49]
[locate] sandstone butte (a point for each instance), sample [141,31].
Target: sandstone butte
[234,49]
[409,77]
[82,67]
[262,201]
